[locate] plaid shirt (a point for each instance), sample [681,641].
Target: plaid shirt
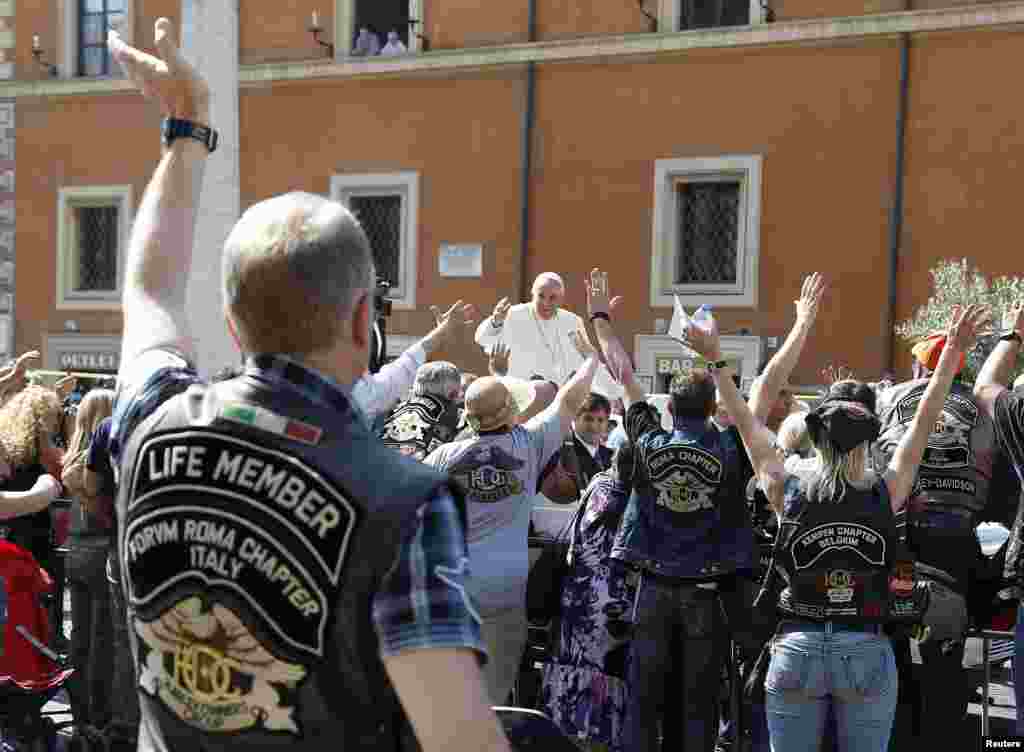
[422,601]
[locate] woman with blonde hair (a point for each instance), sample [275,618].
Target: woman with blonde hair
[30,425]
[89,540]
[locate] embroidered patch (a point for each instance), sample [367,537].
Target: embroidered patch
[210,511]
[487,474]
[212,673]
[686,478]
[271,422]
[949,444]
[820,540]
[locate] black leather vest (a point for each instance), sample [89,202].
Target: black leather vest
[836,558]
[420,425]
[254,529]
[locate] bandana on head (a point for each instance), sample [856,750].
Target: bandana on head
[929,350]
[846,424]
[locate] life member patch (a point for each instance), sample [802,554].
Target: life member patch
[212,514]
[820,540]
[685,477]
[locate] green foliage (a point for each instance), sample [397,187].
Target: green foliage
[958,283]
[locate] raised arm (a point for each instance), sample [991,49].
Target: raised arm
[497,359]
[902,470]
[767,386]
[160,248]
[571,396]
[17,503]
[490,328]
[600,305]
[995,374]
[758,440]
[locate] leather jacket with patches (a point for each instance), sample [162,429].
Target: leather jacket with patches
[249,563]
[836,559]
[420,425]
[687,516]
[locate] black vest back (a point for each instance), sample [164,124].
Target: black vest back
[255,527]
[420,425]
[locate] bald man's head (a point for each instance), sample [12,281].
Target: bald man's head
[294,269]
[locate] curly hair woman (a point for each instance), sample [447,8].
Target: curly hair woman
[30,424]
[89,541]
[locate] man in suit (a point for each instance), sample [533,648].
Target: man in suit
[583,454]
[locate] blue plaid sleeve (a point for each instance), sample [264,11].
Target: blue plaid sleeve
[152,379]
[423,601]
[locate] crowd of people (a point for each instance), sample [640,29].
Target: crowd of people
[303,552]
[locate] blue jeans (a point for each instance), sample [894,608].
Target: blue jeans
[674,626]
[813,670]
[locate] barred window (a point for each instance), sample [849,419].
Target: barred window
[706,234]
[95,19]
[381,218]
[91,236]
[96,262]
[708,216]
[706,14]
[387,206]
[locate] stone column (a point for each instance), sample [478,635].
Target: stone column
[209,40]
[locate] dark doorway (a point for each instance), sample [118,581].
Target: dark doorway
[382,16]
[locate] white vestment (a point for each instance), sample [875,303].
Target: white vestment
[542,347]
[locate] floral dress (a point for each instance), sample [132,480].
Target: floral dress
[584,685]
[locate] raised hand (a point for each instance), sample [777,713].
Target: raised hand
[1013,318]
[965,327]
[451,323]
[599,298]
[582,344]
[704,343]
[497,360]
[833,373]
[810,297]
[500,312]
[169,79]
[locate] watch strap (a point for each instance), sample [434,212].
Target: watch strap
[717,365]
[175,128]
[1011,336]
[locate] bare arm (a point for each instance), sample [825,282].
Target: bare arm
[160,248]
[758,440]
[490,328]
[601,304]
[995,374]
[571,396]
[17,503]
[444,696]
[767,386]
[902,470]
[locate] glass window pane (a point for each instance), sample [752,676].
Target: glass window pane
[96,270]
[93,59]
[117,6]
[708,232]
[91,30]
[115,21]
[92,6]
[381,218]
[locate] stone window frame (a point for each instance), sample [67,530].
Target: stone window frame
[405,184]
[68,199]
[670,13]
[667,173]
[67,54]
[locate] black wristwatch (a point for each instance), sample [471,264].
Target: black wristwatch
[173,128]
[1011,336]
[717,365]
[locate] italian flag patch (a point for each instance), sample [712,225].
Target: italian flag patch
[265,420]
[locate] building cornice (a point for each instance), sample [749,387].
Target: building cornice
[991,16]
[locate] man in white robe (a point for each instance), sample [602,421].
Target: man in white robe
[537,333]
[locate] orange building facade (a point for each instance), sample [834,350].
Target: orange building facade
[721,158]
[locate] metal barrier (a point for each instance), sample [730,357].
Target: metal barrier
[987,635]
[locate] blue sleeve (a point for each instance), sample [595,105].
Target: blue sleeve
[422,601]
[152,379]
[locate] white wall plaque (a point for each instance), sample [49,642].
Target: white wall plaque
[461,260]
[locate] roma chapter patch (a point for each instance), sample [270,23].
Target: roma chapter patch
[213,674]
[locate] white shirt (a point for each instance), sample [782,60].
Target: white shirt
[543,347]
[376,393]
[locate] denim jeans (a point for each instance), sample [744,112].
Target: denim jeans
[674,626]
[125,699]
[813,671]
[92,631]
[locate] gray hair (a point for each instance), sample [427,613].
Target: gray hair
[793,435]
[294,268]
[440,379]
[546,278]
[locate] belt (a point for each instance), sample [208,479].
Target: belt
[828,627]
